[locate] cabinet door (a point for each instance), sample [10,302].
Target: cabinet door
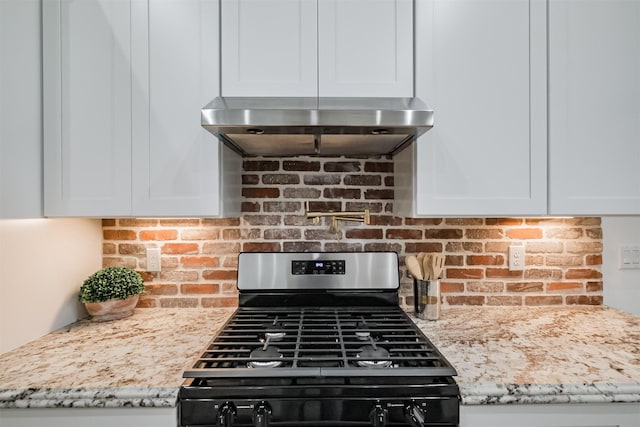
[481,66]
[176,163]
[20,113]
[365,48]
[594,107]
[269,48]
[87,107]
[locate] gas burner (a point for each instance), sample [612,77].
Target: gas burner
[275,332]
[362,331]
[373,352]
[262,352]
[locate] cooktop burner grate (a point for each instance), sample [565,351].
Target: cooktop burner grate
[310,341]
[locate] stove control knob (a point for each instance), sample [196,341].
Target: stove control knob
[378,415]
[226,414]
[414,415]
[261,414]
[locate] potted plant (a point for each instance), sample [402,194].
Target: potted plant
[111,293]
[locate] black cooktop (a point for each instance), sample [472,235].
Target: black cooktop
[320,342]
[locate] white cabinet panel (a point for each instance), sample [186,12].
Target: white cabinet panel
[87,104]
[594,107]
[176,162]
[481,66]
[21,193]
[365,48]
[269,48]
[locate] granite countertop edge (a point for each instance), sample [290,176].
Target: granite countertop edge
[103,397]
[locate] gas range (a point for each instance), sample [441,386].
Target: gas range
[319,340]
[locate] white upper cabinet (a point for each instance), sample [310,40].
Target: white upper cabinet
[355,48]
[124,85]
[87,107]
[20,113]
[594,107]
[365,48]
[481,66]
[177,163]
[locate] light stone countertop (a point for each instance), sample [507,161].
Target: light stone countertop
[502,355]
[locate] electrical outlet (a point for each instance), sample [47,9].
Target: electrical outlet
[153,259]
[516,258]
[629,257]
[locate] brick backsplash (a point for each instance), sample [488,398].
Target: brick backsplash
[200,255]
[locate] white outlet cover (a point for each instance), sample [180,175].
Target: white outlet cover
[629,257]
[516,258]
[153,259]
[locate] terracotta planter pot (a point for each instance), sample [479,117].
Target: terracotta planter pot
[111,309]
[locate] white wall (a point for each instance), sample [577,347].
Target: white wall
[43,262]
[621,287]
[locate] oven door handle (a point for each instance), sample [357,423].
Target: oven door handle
[414,415]
[378,415]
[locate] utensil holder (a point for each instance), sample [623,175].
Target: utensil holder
[426,299]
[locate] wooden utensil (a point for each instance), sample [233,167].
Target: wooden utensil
[426,267]
[413,265]
[437,266]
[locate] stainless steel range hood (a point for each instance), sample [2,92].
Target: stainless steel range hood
[317,126]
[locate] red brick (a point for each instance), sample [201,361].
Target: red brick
[374,207]
[131,249]
[281,207]
[502,272]
[584,299]
[464,221]
[563,260]
[179,276]
[280,179]
[260,193]
[534,260]
[583,273]
[199,288]
[564,286]
[302,246]
[263,219]
[594,233]
[200,234]
[594,286]
[423,221]
[147,276]
[343,247]
[465,300]
[299,165]
[108,222]
[378,194]
[386,220]
[442,233]
[502,247]
[485,260]
[538,300]
[383,247]
[364,233]
[422,247]
[563,233]
[260,165]
[584,221]
[109,248]
[342,193]
[389,181]
[464,273]
[118,261]
[503,221]
[543,273]
[160,289]
[180,248]
[220,274]
[544,247]
[451,287]
[220,248]
[342,166]
[250,179]
[475,247]
[584,247]
[363,180]
[324,179]
[524,233]
[380,167]
[454,260]
[232,234]
[146,303]
[119,235]
[261,247]
[199,261]
[525,287]
[301,193]
[593,260]
[404,234]
[315,206]
[159,235]
[219,302]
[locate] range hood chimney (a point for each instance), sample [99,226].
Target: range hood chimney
[282,127]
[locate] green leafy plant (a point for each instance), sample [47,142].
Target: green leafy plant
[111,283]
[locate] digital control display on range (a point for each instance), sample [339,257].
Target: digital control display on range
[317,267]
